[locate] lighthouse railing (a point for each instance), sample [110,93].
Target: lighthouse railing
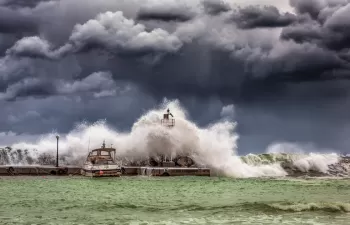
[168,122]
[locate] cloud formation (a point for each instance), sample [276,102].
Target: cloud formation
[216,26]
[267,16]
[110,31]
[167,11]
[213,52]
[99,84]
[15,21]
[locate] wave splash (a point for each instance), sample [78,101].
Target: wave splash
[300,207]
[214,146]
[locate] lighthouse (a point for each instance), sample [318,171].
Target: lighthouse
[166,121]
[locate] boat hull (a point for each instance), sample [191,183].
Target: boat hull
[101,170]
[101,173]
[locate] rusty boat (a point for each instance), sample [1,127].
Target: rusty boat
[101,162]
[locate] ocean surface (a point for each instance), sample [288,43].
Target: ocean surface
[173,200]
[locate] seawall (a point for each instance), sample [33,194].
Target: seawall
[126,171]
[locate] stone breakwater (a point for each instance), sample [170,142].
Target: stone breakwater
[295,165]
[340,169]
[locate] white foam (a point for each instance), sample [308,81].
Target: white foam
[305,158]
[213,146]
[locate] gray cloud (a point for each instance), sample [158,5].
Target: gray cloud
[312,7]
[173,11]
[22,117]
[14,21]
[339,20]
[28,87]
[122,36]
[267,16]
[307,32]
[21,3]
[214,7]
[33,47]
[110,31]
[206,53]
[328,28]
[99,84]
[316,7]
[116,33]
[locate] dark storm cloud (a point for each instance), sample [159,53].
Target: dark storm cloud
[13,21]
[267,16]
[108,30]
[173,16]
[308,32]
[311,7]
[27,87]
[329,28]
[147,55]
[166,13]
[215,7]
[99,84]
[198,50]
[315,7]
[21,3]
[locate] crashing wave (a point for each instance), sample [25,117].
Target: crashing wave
[213,146]
[298,164]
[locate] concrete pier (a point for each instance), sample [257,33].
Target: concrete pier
[126,171]
[173,171]
[38,170]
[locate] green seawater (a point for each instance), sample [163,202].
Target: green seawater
[173,200]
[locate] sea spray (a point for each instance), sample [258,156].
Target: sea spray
[213,146]
[304,156]
[303,162]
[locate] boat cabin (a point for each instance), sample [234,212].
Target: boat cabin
[102,155]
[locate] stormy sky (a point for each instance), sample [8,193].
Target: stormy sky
[284,65]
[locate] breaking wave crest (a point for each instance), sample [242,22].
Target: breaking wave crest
[213,146]
[300,207]
[302,162]
[336,207]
